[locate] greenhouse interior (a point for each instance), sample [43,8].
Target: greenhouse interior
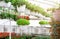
[29,19]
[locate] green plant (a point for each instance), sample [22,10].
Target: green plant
[37,9]
[43,22]
[4,15]
[7,1]
[0,8]
[18,3]
[7,37]
[23,22]
[30,6]
[42,37]
[13,16]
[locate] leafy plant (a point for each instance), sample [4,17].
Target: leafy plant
[14,17]
[43,22]
[4,15]
[23,22]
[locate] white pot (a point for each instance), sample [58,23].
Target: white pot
[43,25]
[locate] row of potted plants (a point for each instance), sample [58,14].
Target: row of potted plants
[26,22]
[22,37]
[21,20]
[38,9]
[29,6]
[25,37]
[4,15]
[42,37]
[31,37]
[14,36]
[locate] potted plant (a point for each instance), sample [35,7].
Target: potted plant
[43,23]
[23,22]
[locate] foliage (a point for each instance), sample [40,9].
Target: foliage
[43,22]
[14,17]
[0,8]
[7,1]
[23,22]
[7,37]
[4,15]
[30,6]
[42,37]
[37,9]
[22,37]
